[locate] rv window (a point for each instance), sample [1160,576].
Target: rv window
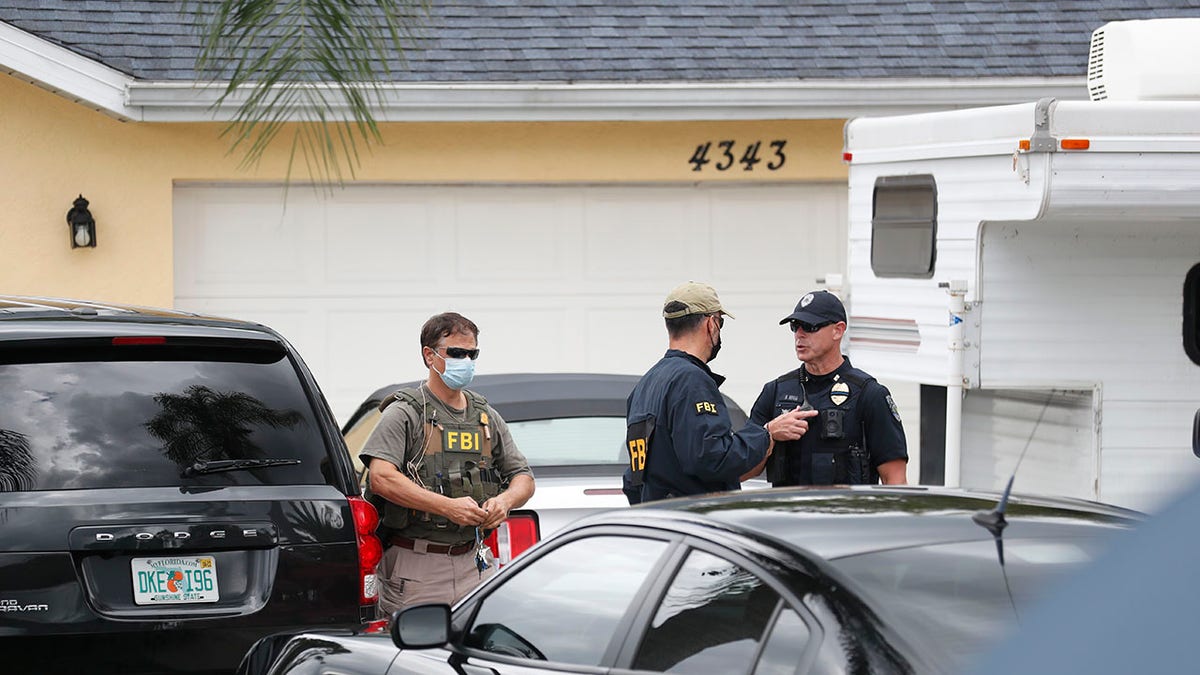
[1191,314]
[904,226]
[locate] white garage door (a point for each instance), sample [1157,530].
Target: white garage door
[559,279]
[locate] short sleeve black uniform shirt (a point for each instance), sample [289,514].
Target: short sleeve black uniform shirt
[863,418]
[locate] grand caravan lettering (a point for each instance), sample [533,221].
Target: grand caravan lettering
[8,605]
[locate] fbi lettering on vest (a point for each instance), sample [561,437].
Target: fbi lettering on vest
[461,441]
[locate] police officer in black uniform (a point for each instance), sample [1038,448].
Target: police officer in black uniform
[857,436]
[680,440]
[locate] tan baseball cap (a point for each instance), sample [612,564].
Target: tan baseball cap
[699,299]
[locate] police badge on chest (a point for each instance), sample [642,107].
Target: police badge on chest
[839,393]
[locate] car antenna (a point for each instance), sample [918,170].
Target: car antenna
[994,521]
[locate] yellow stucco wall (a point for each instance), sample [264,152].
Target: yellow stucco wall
[55,149]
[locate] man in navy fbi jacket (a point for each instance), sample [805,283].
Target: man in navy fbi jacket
[679,437]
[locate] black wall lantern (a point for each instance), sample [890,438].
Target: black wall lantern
[82,224]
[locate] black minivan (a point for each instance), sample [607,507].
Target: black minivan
[172,488]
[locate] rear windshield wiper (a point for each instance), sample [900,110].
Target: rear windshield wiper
[218,465]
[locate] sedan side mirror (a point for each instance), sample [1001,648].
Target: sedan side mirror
[421,626]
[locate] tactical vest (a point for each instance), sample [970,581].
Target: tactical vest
[457,462]
[834,450]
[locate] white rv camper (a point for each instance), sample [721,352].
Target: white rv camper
[1036,269]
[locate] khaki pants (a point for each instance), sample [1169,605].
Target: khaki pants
[407,577]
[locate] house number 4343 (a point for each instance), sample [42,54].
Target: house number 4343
[722,155]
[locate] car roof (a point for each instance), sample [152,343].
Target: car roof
[531,396]
[847,521]
[28,317]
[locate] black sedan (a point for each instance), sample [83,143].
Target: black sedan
[856,580]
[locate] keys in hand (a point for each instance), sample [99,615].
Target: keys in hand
[481,551]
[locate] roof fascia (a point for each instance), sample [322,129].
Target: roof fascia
[97,86]
[62,71]
[679,101]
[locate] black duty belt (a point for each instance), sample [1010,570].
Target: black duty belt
[422,545]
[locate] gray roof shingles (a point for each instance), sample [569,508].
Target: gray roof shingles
[652,40]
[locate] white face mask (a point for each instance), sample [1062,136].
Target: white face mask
[458,373]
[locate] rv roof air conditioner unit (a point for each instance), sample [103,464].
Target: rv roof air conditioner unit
[1151,60]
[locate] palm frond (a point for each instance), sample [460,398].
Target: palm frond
[317,63]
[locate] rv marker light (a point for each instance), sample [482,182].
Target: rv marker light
[847,156]
[1065,144]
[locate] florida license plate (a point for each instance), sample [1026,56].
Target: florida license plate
[179,579]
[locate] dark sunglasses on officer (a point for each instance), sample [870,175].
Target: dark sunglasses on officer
[797,325]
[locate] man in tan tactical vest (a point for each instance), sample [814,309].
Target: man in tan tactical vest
[445,470]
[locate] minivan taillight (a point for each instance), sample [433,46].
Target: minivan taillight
[370,550]
[513,536]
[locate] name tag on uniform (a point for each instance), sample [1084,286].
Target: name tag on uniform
[706,408]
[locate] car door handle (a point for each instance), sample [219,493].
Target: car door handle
[469,669]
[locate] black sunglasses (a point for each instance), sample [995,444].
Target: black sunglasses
[720,320]
[807,327]
[461,353]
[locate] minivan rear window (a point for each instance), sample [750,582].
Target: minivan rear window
[139,416]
